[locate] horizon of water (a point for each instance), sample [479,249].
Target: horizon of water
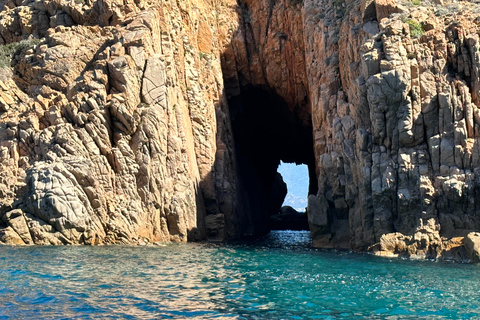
[277,277]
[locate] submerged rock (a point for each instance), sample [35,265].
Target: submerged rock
[289,219]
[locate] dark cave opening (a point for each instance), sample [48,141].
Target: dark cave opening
[266,131]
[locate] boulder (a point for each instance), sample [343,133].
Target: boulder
[289,219]
[472,246]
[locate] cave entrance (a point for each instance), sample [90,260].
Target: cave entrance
[292,214]
[267,131]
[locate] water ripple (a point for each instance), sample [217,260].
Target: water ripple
[279,277]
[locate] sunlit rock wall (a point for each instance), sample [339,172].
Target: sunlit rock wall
[114,125]
[394,93]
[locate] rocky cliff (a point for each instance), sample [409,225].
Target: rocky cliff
[113,125]
[142,121]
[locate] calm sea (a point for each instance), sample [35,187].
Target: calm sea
[278,277]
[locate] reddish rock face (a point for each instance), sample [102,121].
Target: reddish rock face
[132,121]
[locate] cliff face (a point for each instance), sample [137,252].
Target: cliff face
[395,125]
[140,121]
[114,128]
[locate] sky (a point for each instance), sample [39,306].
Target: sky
[296,178]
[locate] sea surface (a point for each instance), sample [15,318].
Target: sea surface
[277,277]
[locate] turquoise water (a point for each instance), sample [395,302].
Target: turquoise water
[276,278]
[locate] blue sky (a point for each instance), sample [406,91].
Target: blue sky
[296,178]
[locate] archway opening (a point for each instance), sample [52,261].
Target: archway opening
[297,180]
[267,131]
[292,214]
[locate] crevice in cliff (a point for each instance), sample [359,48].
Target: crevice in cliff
[266,131]
[270,13]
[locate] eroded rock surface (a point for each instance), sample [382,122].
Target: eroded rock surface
[114,124]
[394,125]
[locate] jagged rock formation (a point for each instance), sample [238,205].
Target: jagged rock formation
[166,120]
[113,126]
[396,134]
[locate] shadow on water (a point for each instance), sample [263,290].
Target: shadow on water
[277,239]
